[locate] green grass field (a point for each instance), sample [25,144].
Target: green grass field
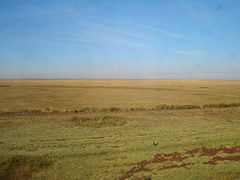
[119,129]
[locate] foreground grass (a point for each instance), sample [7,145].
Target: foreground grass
[87,151]
[191,133]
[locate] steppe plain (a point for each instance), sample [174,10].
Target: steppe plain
[119,129]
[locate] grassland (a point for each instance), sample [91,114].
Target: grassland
[119,129]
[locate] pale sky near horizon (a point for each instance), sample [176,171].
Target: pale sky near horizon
[120,39]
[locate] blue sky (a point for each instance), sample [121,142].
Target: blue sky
[123,39]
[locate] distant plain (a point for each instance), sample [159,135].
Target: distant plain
[119,129]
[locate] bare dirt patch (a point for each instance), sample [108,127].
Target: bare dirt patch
[178,158]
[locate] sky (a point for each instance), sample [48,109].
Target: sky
[119,39]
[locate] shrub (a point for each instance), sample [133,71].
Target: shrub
[21,167]
[114,109]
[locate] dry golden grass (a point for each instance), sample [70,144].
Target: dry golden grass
[111,129]
[66,95]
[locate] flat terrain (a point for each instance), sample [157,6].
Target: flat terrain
[119,129]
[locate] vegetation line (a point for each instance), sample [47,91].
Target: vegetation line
[161,107]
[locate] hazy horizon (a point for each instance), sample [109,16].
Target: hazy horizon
[134,39]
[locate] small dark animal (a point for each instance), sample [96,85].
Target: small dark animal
[154,143]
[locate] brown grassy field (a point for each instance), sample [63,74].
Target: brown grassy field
[119,129]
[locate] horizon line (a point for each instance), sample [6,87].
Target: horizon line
[108,79]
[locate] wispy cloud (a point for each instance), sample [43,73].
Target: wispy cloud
[171,34]
[187,52]
[123,31]
[84,42]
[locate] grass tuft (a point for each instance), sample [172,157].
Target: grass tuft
[221,105]
[176,107]
[21,167]
[105,121]
[85,110]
